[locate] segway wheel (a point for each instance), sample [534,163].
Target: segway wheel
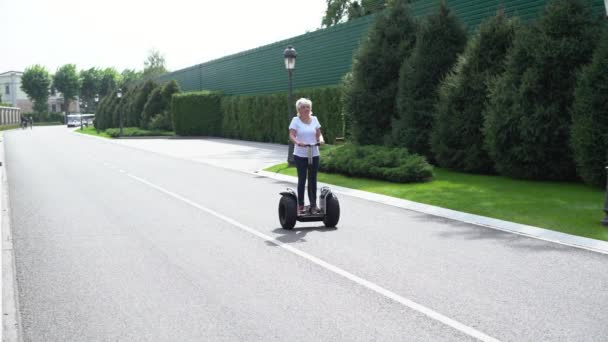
[288,212]
[332,212]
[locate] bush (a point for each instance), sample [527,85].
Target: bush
[457,137]
[370,102]
[527,125]
[136,132]
[197,113]
[440,39]
[590,118]
[266,117]
[378,162]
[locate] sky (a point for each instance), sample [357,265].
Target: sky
[121,33]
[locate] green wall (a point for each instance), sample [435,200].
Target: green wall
[324,56]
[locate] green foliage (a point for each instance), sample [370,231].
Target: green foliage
[457,137]
[154,65]
[154,105]
[35,82]
[345,97]
[371,98]
[393,164]
[136,132]
[265,117]
[129,77]
[138,101]
[338,9]
[158,102]
[109,81]
[197,113]
[67,81]
[440,39]
[527,125]
[589,138]
[91,85]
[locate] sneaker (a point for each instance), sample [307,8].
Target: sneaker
[301,210]
[315,211]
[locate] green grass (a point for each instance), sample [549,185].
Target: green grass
[92,131]
[565,207]
[127,132]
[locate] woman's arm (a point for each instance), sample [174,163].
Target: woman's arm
[292,137]
[320,138]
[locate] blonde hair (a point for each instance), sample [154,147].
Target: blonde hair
[303,102]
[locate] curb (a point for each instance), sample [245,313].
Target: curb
[593,245]
[11,322]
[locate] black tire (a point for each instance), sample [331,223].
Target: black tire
[288,212]
[332,212]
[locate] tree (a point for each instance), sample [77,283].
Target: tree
[338,9]
[589,140]
[130,76]
[67,81]
[457,137]
[370,103]
[440,39]
[109,81]
[527,125]
[154,65]
[36,82]
[91,84]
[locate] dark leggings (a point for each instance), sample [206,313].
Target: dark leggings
[302,165]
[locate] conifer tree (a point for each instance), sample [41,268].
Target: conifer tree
[527,126]
[457,137]
[440,39]
[370,102]
[589,138]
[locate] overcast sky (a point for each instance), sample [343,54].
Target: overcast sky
[120,33]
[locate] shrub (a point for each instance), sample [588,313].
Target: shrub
[589,139]
[457,137]
[393,164]
[527,125]
[197,113]
[440,39]
[370,102]
[266,117]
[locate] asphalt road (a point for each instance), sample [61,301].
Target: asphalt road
[114,243]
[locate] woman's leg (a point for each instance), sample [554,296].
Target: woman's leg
[312,182]
[301,165]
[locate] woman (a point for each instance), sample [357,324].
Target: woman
[304,130]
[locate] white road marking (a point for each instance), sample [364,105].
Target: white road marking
[368,284]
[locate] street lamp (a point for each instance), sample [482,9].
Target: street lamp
[96,102]
[605,220]
[119,95]
[290,64]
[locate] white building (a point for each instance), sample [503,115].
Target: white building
[10,91]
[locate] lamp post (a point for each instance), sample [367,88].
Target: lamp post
[95,120]
[605,220]
[119,95]
[290,64]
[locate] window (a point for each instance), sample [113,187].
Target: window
[7,90]
[53,108]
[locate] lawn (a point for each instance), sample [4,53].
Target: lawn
[571,208]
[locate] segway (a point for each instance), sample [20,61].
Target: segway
[328,204]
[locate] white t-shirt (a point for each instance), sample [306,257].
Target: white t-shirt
[305,133]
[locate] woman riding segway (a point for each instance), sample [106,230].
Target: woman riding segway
[305,134]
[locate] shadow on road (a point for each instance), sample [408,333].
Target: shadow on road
[297,234]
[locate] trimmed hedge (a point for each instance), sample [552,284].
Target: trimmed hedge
[379,162]
[197,113]
[266,117]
